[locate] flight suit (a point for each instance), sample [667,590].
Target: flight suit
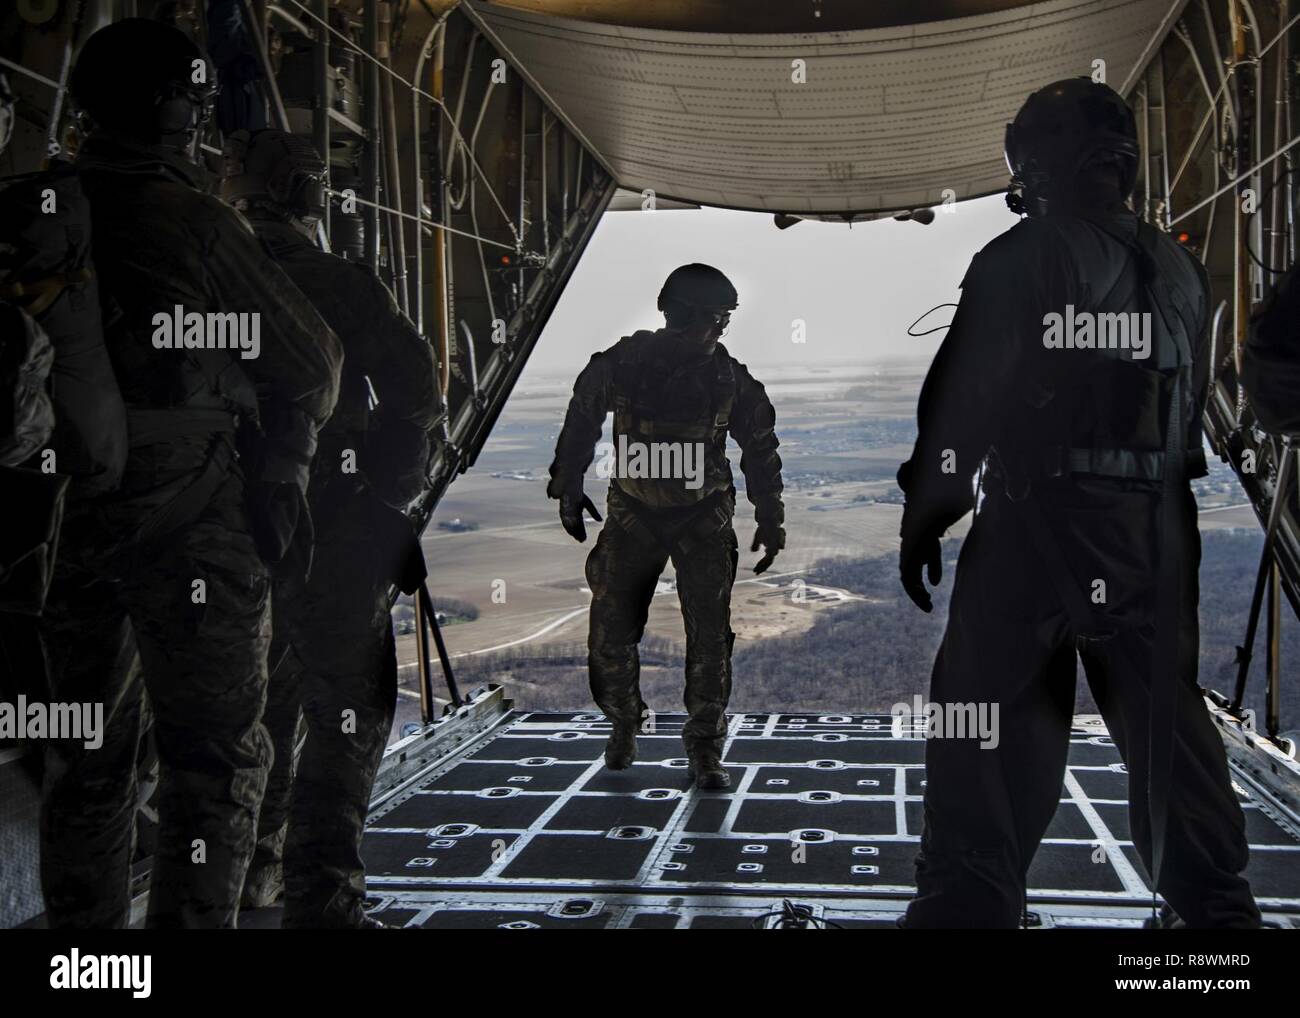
[661,390]
[335,636]
[168,564]
[1067,556]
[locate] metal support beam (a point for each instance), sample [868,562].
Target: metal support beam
[264,62]
[396,225]
[372,125]
[1267,565]
[320,118]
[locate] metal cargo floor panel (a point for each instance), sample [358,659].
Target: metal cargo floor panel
[525,826]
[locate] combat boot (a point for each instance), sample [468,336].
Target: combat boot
[370,923]
[620,750]
[263,886]
[1167,919]
[354,918]
[706,771]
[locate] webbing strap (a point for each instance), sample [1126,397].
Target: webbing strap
[147,426]
[634,382]
[709,520]
[628,423]
[1133,464]
[1136,464]
[628,518]
[191,497]
[1165,663]
[37,295]
[704,527]
[1164,668]
[1164,672]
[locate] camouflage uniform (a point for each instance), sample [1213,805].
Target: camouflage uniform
[34,504]
[130,565]
[660,389]
[335,636]
[70,428]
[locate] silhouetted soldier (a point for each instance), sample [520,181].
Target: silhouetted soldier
[68,440]
[673,389]
[1085,541]
[179,556]
[335,637]
[36,249]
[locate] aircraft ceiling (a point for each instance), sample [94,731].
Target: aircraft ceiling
[888,119]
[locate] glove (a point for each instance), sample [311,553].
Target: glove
[571,507]
[920,549]
[274,509]
[772,539]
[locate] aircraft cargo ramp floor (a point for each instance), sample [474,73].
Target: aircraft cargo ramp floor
[520,825]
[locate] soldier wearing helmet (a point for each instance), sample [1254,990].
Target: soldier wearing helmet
[332,649]
[1072,379]
[676,394]
[176,564]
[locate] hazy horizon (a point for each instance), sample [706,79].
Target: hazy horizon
[857,288]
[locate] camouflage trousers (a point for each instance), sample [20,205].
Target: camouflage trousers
[338,672]
[198,613]
[622,571]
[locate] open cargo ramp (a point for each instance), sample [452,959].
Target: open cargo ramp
[500,818]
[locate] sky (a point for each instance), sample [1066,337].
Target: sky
[857,288]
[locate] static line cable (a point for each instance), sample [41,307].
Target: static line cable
[1210,113]
[30,73]
[1278,38]
[418,91]
[1214,98]
[922,318]
[352,45]
[467,153]
[300,25]
[420,219]
[1237,180]
[1263,198]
